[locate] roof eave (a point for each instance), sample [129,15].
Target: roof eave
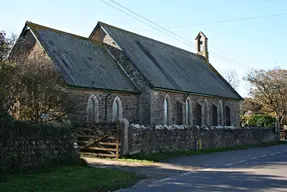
[101,89]
[195,93]
[224,81]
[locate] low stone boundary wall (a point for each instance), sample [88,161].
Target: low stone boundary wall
[180,138]
[24,146]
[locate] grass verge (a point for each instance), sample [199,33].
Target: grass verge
[70,179]
[130,160]
[155,157]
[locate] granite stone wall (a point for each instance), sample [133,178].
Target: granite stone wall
[26,147]
[133,73]
[130,101]
[105,105]
[179,138]
[176,98]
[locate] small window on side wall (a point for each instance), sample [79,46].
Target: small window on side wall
[166,110]
[206,112]
[227,116]
[188,112]
[198,114]
[214,115]
[117,109]
[93,109]
[179,118]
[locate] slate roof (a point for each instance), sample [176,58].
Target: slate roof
[82,62]
[169,67]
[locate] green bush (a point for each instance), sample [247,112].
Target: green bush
[261,120]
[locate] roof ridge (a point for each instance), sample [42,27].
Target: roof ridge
[35,25]
[100,22]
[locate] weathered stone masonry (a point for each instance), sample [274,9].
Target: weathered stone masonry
[157,113]
[36,150]
[148,106]
[151,102]
[180,138]
[129,100]
[132,72]
[129,103]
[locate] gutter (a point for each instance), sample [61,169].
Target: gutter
[194,93]
[100,89]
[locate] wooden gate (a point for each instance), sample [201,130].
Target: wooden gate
[94,141]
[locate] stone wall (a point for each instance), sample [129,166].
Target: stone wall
[157,111]
[180,138]
[24,147]
[133,73]
[105,105]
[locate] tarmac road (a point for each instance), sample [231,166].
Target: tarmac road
[256,169]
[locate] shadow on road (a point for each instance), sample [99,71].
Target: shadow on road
[223,181]
[190,173]
[218,179]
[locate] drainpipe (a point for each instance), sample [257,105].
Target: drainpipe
[106,106]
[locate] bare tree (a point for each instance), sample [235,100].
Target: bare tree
[6,72]
[232,78]
[6,44]
[269,88]
[250,104]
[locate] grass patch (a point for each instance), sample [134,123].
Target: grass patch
[155,157]
[69,179]
[129,160]
[121,159]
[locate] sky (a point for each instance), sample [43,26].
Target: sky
[244,44]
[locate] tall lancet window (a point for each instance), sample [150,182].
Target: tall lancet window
[166,110]
[117,109]
[93,109]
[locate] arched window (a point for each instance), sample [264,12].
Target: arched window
[227,116]
[167,110]
[220,113]
[179,109]
[93,109]
[117,109]
[206,112]
[188,112]
[214,115]
[198,114]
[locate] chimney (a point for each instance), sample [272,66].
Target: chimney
[201,45]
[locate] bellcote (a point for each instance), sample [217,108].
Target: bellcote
[202,45]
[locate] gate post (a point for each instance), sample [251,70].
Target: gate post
[118,127]
[124,137]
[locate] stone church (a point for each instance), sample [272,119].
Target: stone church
[120,74]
